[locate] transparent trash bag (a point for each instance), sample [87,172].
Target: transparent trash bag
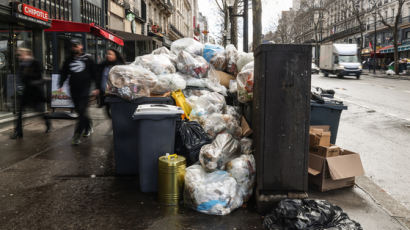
[243,169]
[243,59]
[215,155]
[188,45]
[169,82]
[156,63]
[210,193]
[245,83]
[195,66]
[130,82]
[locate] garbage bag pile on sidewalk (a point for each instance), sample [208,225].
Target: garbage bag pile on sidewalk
[308,214]
[223,169]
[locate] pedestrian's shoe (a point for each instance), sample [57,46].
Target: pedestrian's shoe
[88,132]
[16,135]
[76,139]
[48,126]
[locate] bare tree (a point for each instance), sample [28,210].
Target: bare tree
[314,10]
[358,14]
[395,28]
[283,29]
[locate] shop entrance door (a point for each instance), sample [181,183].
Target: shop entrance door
[11,38]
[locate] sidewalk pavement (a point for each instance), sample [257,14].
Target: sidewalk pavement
[47,183]
[382,74]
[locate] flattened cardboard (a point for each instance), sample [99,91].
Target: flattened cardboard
[345,166]
[246,130]
[224,78]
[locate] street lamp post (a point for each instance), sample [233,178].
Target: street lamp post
[230,4]
[375,44]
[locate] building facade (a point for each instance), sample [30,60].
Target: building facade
[201,30]
[344,21]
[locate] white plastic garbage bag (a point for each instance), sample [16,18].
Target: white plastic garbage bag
[188,45]
[232,57]
[245,82]
[158,64]
[243,59]
[217,123]
[246,146]
[211,193]
[207,104]
[161,50]
[243,169]
[195,66]
[249,66]
[219,61]
[214,156]
[169,82]
[130,82]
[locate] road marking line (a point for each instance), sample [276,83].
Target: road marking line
[369,108]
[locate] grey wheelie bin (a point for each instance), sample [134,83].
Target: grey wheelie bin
[124,131]
[156,137]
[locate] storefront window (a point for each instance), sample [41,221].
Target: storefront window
[11,38]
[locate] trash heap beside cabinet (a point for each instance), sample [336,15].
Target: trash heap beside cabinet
[281,110]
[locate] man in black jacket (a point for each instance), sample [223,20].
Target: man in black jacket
[30,89]
[80,69]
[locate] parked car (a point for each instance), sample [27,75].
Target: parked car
[315,69]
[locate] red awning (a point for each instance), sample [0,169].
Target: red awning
[66,26]
[385,48]
[105,34]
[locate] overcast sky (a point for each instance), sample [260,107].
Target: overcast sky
[271,10]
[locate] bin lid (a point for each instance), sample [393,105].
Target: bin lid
[330,105]
[172,160]
[158,109]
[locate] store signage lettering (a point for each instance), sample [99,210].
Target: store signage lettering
[33,12]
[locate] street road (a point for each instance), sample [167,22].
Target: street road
[376,125]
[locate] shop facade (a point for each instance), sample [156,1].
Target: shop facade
[21,26]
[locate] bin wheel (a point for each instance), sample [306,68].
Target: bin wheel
[357,77]
[326,74]
[340,76]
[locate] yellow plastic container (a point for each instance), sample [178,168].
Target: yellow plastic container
[180,101]
[171,175]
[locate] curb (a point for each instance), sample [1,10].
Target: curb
[387,202]
[10,120]
[394,77]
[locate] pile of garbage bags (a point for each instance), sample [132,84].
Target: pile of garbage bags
[222,172]
[189,63]
[308,214]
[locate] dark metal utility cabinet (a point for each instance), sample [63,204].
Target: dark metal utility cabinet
[281,109]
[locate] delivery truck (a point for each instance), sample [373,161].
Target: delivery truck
[340,59]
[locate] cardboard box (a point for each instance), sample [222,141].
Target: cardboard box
[224,78]
[334,172]
[246,130]
[327,151]
[319,135]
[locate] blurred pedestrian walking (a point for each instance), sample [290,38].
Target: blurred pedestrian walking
[80,69]
[30,89]
[112,58]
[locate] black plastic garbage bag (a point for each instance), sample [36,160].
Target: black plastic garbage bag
[191,137]
[310,215]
